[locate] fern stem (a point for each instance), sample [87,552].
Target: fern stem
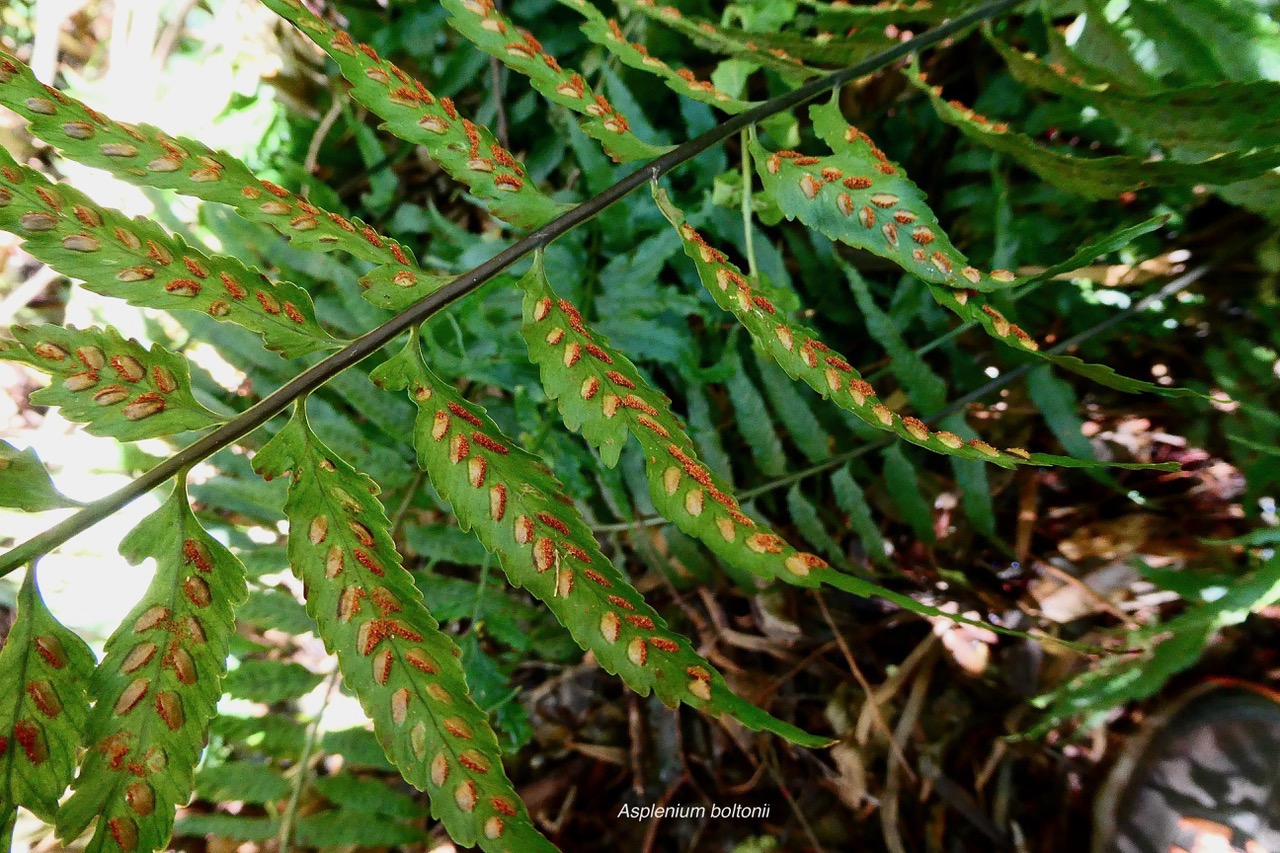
[748,231]
[304,764]
[402,511]
[369,343]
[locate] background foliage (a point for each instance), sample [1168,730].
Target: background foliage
[1165,565]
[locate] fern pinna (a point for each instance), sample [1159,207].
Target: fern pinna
[136,724]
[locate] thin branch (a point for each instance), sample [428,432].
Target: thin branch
[748,218]
[369,343]
[303,767]
[310,162]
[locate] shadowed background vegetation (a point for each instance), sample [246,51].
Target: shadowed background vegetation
[950,737]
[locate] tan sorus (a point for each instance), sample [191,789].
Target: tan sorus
[405,671]
[543,544]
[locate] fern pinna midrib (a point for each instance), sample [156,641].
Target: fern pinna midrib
[156,688]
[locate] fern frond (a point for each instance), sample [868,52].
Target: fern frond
[45,670]
[518,510]
[600,393]
[973,307]
[468,152]
[1226,115]
[1096,177]
[799,352]
[885,13]
[392,653]
[157,687]
[112,385]
[606,33]
[148,156]
[138,261]
[857,196]
[482,24]
[737,43]
[24,481]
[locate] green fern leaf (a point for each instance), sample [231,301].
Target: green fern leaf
[1227,115]
[882,14]
[157,687]
[391,651]
[112,385]
[606,33]
[853,502]
[24,481]
[737,43]
[483,25]
[138,261]
[878,209]
[1098,177]
[467,151]
[513,503]
[601,393]
[45,669]
[799,352]
[147,156]
[860,198]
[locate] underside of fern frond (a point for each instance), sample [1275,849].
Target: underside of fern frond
[517,508]
[391,651]
[467,151]
[138,261]
[45,670]
[157,687]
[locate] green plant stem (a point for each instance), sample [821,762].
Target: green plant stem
[402,511]
[748,236]
[303,766]
[369,343]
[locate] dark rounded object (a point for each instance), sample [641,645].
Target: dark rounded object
[1203,775]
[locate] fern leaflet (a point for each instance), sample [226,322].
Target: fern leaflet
[45,669]
[148,156]
[465,150]
[157,687]
[138,261]
[518,510]
[112,385]
[799,352]
[483,25]
[391,651]
[25,483]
